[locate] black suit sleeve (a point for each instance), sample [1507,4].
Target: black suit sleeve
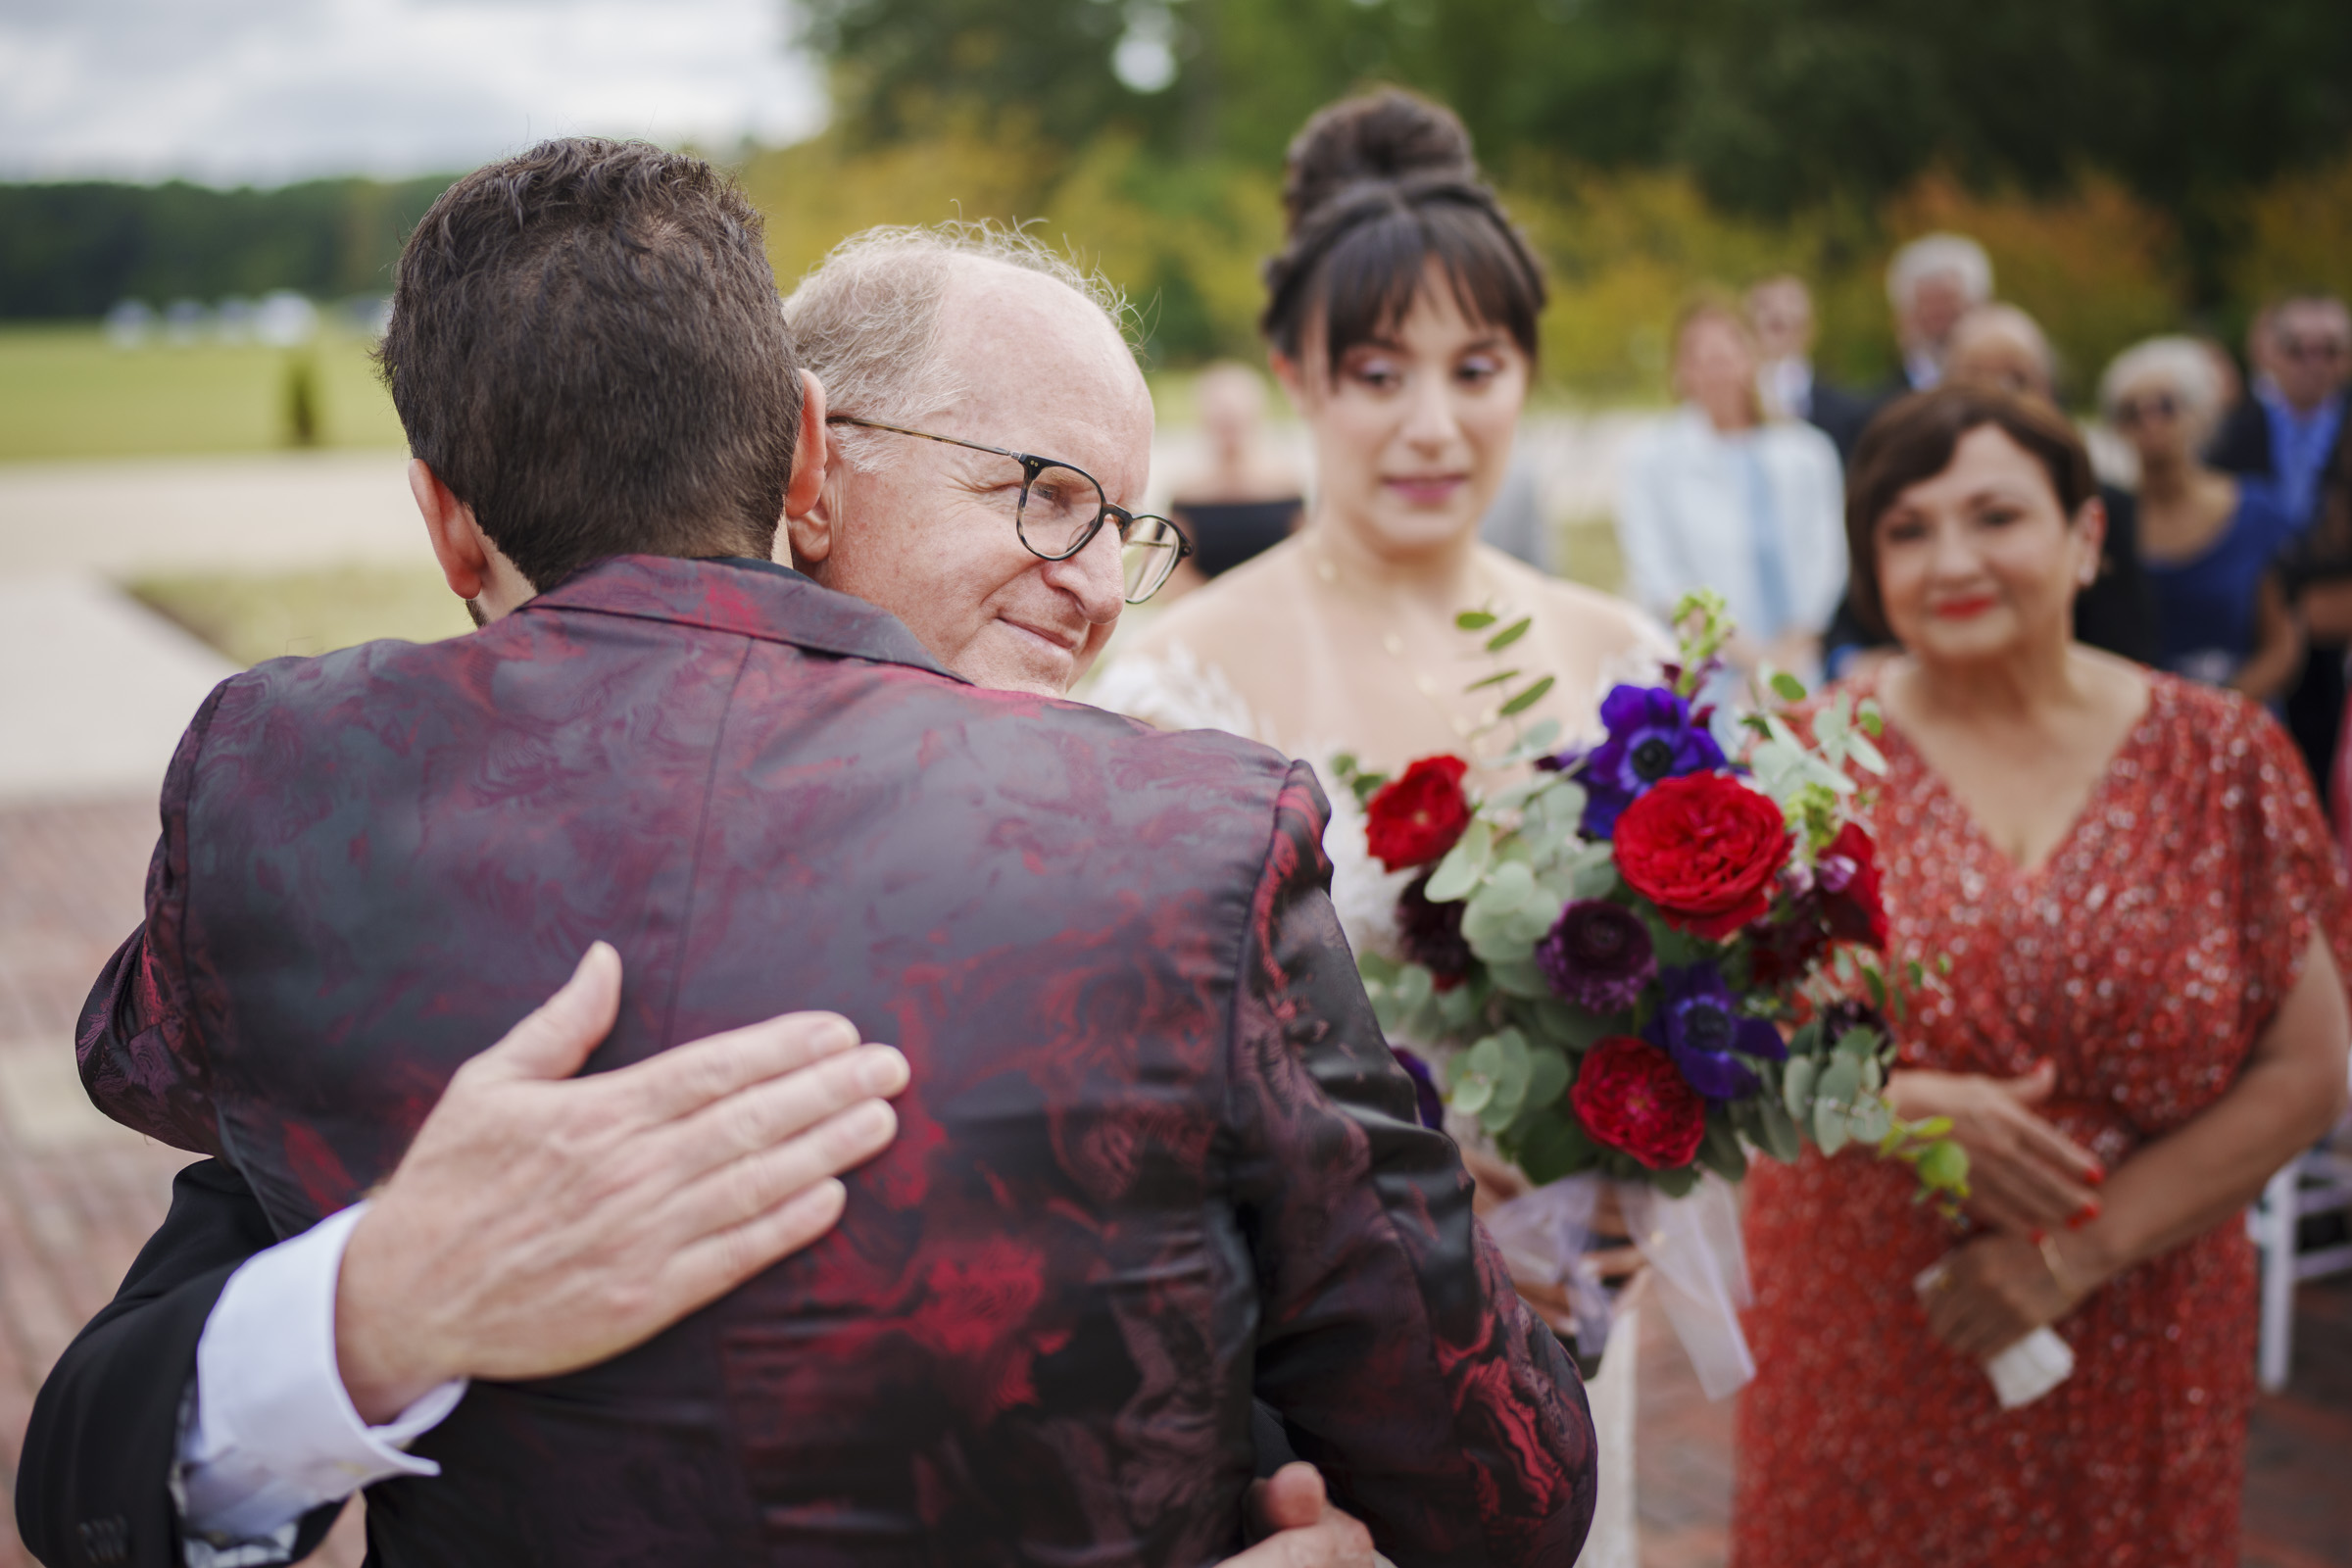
[94,1487]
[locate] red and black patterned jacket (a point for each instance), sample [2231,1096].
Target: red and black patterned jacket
[1155,1158]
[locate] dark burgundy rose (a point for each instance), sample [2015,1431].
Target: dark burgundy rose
[1415,817]
[1431,934]
[1783,951]
[1848,873]
[1597,956]
[1629,1096]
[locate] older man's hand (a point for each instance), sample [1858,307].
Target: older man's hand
[1307,1531]
[541,1223]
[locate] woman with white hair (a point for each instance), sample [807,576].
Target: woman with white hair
[2210,545]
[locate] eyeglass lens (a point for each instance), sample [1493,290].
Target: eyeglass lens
[1060,511]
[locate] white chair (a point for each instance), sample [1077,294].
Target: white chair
[2317,1182]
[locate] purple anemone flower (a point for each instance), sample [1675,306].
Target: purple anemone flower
[1652,735]
[1597,956]
[1700,1027]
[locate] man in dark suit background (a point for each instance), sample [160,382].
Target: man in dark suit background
[219,1014]
[2280,437]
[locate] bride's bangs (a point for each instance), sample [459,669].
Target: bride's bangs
[1372,274]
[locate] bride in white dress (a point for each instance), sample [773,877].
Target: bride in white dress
[1401,323]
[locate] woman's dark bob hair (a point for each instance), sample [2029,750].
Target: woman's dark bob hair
[1374,189]
[1913,439]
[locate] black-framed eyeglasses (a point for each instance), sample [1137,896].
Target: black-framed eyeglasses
[1062,506]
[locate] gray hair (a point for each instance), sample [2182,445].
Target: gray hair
[2007,322]
[2182,365]
[865,319]
[1939,255]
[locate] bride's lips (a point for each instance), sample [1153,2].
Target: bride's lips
[1427,489]
[1967,609]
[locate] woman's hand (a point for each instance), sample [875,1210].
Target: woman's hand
[2024,1175]
[1498,1183]
[1998,1289]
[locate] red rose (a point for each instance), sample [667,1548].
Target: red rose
[1848,874]
[1630,1096]
[1415,819]
[1703,849]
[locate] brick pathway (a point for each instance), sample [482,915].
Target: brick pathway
[78,1196]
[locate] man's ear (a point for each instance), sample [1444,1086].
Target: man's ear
[808,513]
[458,543]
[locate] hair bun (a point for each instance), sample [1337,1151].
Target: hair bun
[1386,135]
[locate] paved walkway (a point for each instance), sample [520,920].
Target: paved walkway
[78,1195]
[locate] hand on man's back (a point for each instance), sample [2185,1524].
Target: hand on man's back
[540,1224]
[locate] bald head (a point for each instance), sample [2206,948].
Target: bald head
[981,337]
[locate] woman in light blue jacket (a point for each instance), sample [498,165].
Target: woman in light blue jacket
[1717,496]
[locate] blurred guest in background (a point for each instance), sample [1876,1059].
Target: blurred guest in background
[2279,439]
[1717,496]
[1781,311]
[2001,346]
[2144,1018]
[1932,284]
[2211,545]
[1246,498]
[2283,434]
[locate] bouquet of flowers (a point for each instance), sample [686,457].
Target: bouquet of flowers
[1647,958]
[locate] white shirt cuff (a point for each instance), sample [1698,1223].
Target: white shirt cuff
[272,1432]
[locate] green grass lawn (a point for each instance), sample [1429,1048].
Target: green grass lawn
[66,392]
[250,617]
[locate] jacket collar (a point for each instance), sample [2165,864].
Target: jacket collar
[743,596]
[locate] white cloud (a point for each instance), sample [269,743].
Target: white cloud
[270,90]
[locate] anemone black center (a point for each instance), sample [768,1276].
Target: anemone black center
[1706,1027]
[1651,760]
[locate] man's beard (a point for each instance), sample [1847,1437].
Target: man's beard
[473,608]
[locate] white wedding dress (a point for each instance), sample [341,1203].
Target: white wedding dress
[1177,690]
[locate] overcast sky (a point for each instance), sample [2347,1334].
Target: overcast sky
[263,91]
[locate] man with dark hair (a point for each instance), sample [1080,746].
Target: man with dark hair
[1156,1152]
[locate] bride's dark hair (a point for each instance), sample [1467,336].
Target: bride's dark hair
[1374,189]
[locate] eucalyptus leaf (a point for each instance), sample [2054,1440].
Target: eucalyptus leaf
[1471,1094]
[1455,876]
[1945,1167]
[1453,1010]
[1674,1183]
[1830,1130]
[1509,888]
[1871,1119]
[1781,1139]
[1787,687]
[1796,1085]
[1860,1042]
[1474,620]
[1553,1147]
[1518,978]
[1526,699]
[1548,1075]
[1484,1057]
[1720,1151]
[1866,754]
[1509,634]
[1495,679]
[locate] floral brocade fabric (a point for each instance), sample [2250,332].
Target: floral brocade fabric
[2143,958]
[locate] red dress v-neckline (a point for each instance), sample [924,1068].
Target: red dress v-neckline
[2136,739]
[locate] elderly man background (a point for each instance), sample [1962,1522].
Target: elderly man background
[1931,282]
[911,513]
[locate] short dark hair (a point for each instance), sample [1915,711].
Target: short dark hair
[1913,439]
[586,347]
[1376,187]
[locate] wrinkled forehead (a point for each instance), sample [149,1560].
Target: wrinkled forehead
[1042,369]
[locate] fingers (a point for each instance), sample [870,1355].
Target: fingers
[704,1270]
[738,1192]
[1291,1498]
[2034,1087]
[767,1115]
[556,1037]
[688,1077]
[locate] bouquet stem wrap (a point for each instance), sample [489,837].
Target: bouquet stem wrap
[1691,1243]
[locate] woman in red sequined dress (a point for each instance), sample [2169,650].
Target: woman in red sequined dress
[2143,1019]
